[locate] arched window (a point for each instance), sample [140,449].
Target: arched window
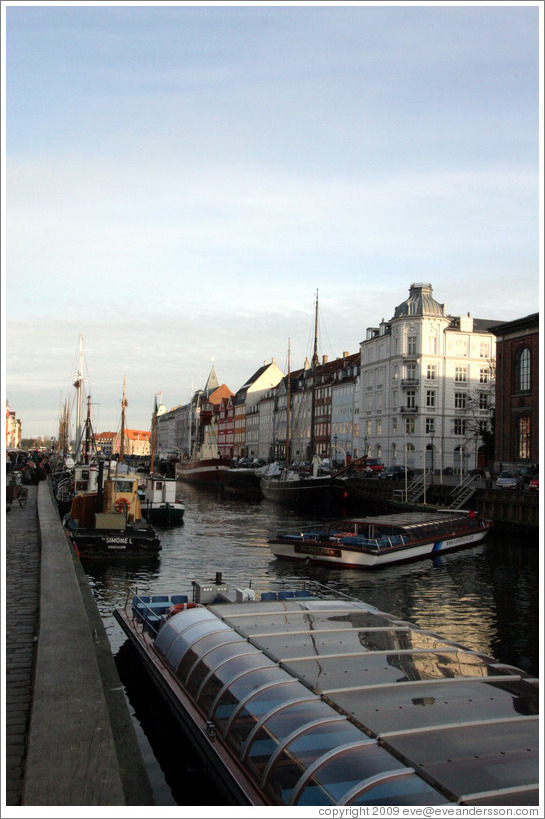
[523,371]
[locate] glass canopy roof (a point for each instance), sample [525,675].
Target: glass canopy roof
[333,702]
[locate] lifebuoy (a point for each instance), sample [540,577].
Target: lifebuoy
[121,505]
[180,607]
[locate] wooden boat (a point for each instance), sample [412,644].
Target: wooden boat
[242,481]
[372,542]
[295,490]
[108,521]
[159,502]
[204,472]
[304,697]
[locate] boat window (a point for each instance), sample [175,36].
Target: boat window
[178,647]
[404,790]
[175,625]
[331,673]
[225,673]
[238,691]
[341,772]
[278,728]
[284,622]
[303,751]
[323,642]
[200,648]
[123,486]
[201,670]
[260,707]
[400,707]
[486,754]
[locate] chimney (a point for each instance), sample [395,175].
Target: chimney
[324,359]
[345,353]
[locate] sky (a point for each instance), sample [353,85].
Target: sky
[179,181]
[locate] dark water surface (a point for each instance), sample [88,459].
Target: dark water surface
[486,597]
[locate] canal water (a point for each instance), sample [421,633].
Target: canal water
[486,597]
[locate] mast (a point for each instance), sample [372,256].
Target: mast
[153,435]
[288,396]
[78,384]
[122,442]
[88,431]
[313,393]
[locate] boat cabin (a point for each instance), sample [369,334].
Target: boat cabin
[160,490]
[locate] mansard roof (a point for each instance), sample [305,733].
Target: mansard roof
[420,302]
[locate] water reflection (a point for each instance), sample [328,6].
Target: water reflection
[485,597]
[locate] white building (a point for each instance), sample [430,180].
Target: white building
[426,386]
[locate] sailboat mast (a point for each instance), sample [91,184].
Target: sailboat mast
[78,384]
[153,435]
[313,393]
[288,398]
[122,442]
[88,431]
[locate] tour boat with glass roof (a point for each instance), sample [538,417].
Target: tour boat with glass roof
[305,697]
[372,542]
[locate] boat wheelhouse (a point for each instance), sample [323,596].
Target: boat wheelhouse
[372,542]
[159,502]
[305,698]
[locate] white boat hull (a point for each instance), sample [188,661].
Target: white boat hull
[350,557]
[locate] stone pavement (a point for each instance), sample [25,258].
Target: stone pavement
[69,735]
[22,588]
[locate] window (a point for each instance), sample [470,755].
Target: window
[523,437]
[410,371]
[379,426]
[432,345]
[483,400]
[461,347]
[411,345]
[484,352]
[460,400]
[430,398]
[460,373]
[409,426]
[432,372]
[430,426]
[483,375]
[459,426]
[411,399]
[394,425]
[522,375]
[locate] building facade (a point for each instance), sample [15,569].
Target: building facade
[517,393]
[426,386]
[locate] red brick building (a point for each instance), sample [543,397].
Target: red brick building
[517,392]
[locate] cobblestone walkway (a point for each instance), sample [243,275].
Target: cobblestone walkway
[22,603]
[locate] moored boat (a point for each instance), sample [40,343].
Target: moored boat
[372,542]
[303,697]
[204,472]
[108,521]
[159,502]
[242,481]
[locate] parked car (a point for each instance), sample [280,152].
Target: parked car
[510,480]
[396,473]
[534,485]
[370,466]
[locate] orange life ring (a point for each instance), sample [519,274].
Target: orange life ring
[180,607]
[121,505]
